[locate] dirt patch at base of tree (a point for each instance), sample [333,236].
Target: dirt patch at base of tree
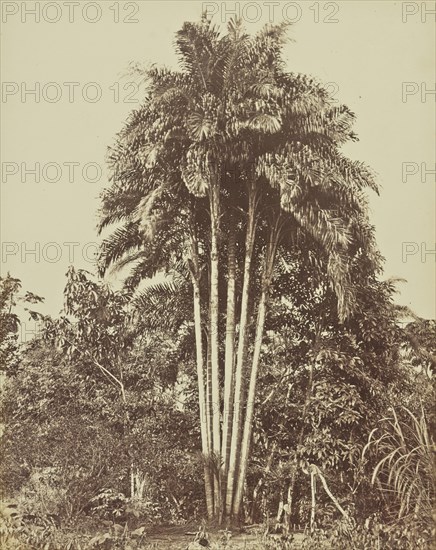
[180,538]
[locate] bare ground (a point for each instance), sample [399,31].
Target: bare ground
[180,540]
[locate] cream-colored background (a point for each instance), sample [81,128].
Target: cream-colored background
[368,54]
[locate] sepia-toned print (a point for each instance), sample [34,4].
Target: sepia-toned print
[217,293]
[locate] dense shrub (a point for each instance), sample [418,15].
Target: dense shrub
[401,536]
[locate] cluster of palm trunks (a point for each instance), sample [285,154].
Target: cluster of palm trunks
[231,165]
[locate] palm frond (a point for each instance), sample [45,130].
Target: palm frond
[123,240]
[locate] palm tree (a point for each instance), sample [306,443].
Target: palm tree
[232,108]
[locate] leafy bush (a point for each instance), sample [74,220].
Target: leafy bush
[404,536]
[107,504]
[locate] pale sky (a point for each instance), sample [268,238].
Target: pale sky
[378,56]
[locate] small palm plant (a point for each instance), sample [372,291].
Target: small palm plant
[406,464]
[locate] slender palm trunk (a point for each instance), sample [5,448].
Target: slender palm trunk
[214,196]
[205,443]
[209,412]
[261,314]
[241,353]
[229,380]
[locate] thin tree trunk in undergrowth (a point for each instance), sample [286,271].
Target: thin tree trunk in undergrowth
[126,429]
[291,486]
[261,482]
[214,196]
[229,357]
[205,443]
[316,471]
[313,500]
[236,424]
[270,254]
[279,509]
[117,382]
